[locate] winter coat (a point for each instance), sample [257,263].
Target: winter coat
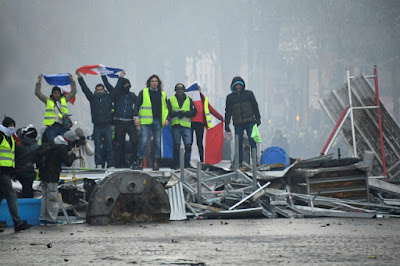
[25,154]
[57,155]
[124,100]
[242,107]
[100,104]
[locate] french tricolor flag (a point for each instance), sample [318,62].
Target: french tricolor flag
[60,80]
[100,70]
[214,139]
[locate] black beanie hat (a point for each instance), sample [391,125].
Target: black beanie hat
[31,132]
[8,121]
[55,88]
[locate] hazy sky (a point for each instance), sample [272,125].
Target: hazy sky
[268,42]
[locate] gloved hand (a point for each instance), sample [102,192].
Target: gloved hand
[258,122]
[227,129]
[186,114]
[180,114]
[173,114]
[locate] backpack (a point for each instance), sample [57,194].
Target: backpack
[42,153]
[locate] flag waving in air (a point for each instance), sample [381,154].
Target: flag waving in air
[60,80]
[100,70]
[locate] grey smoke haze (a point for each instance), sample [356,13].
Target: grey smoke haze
[290,52]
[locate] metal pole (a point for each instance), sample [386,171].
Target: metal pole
[236,158]
[351,114]
[198,182]
[182,164]
[254,166]
[378,103]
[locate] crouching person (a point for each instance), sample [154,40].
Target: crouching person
[49,173]
[181,110]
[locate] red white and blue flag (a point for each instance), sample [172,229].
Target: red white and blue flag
[100,70]
[214,139]
[60,80]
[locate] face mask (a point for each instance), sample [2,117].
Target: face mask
[8,131]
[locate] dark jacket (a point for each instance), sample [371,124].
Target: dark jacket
[100,104]
[58,154]
[172,114]
[124,100]
[242,107]
[25,154]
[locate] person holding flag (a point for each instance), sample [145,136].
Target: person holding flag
[181,110]
[150,114]
[203,117]
[101,104]
[56,104]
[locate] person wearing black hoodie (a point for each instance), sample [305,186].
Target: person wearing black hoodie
[7,169]
[124,103]
[60,152]
[242,107]
[101,104]
[25,160]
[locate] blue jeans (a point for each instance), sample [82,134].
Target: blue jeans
[184,133]
[53,131]
[154,128]
[7,192]
[102,138]
[239,130]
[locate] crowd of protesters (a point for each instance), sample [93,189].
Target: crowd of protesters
[125,125]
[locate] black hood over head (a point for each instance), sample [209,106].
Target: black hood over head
[237,80]
[124,81]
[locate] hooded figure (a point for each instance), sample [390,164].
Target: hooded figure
[124,103]
[59,153]
[242,107]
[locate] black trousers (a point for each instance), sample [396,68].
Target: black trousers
[26,179]
[198,127]
[121,129]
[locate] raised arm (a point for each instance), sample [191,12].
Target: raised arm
[38,91]
[85,89]
[72,93]
[107,84]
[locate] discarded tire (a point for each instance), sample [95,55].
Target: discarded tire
[128,197]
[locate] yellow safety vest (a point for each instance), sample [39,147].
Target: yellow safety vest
[184,121]
[7,153]
[207,113]
[146,111]
[49,114]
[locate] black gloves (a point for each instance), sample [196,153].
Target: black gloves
[180,114]
[227,129]
[258,121]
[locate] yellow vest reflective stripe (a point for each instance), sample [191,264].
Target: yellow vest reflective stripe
[146,112]
[207,113]
[7,153]
[49,114]
[184,121]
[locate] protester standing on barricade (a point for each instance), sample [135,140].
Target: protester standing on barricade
[56,108]
[180,111]
[7,170]
[242,107]
[151,115]
[25,161]
[202,120]
[60,152]
[101,109]
[124,103]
